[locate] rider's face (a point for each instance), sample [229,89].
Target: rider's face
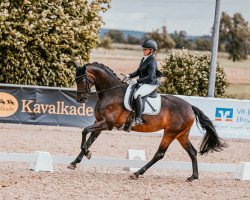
[146,52]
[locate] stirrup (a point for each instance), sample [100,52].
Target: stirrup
[137,121]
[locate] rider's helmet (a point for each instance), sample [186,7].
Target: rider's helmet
[149,44]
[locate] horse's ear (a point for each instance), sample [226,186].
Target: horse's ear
[75,64]
[84,68]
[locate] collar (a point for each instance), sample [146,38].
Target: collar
[145,57]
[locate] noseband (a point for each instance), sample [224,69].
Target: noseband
[87,90]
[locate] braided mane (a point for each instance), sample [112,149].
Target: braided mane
[96,64]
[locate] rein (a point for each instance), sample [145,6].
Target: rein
[108,89]
[77,77]
[84,76]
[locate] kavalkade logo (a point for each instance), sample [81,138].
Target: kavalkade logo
[224,114]
[8,104]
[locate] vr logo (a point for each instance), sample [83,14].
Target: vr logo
[224,114]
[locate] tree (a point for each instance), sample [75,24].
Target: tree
[106,42]
[133,40]
[163,40]
[180,39]
[38,38]
[235,36]
[116,36]
[203,44]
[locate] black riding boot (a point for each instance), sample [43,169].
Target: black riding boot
[138,111]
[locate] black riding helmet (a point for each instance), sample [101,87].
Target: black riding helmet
[149,44]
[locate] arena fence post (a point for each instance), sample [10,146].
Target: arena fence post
[134,155]
[243,171]
[43,162]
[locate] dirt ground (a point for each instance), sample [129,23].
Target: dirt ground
[18,182]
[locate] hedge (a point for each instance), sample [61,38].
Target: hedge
[187,73]
[38,38]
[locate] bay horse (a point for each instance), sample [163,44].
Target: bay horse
[176,117]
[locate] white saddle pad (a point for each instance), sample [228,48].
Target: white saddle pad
[155,102]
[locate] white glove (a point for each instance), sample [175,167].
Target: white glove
[127,76]
[133,81]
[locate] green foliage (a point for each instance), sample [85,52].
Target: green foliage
[163,40]
[39,37]
[203,44]
[235,36]
[116,36]
[180,39]
[187,73]
[133,40]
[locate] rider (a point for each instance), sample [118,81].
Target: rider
[147,73]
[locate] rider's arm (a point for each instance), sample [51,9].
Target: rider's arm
[134,74]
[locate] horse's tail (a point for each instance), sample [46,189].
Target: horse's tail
[211,141]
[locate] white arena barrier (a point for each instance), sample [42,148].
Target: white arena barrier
[43,162]
[133,154]
[241,171]
[231,117]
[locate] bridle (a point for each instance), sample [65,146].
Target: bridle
[89,83]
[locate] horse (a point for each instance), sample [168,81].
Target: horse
[176,117]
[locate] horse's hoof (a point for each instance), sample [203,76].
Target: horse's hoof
[190,179]
[89,154]
[71,166]
[133,177]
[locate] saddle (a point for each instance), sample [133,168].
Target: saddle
[151,103]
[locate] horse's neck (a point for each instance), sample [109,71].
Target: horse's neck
[105,79]
[104,84]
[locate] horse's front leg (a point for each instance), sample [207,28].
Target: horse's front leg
[85,151]
[96,130]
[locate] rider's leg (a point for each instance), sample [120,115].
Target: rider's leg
[138,110]
[143,90]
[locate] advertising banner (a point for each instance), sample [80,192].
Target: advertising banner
[231,117]
[58,107]
[44,106]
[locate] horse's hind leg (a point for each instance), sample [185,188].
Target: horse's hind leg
[165,142]
[186,144]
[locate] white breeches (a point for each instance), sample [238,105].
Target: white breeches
[144,90]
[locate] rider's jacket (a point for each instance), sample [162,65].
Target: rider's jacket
[147,71]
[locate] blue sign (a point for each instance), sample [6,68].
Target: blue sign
[224,114]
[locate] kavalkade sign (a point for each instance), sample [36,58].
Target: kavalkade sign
[55,109]
[47,106]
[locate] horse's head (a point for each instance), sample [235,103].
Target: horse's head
[84,83]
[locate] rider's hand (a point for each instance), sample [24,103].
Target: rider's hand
[133,82]
[127,76]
